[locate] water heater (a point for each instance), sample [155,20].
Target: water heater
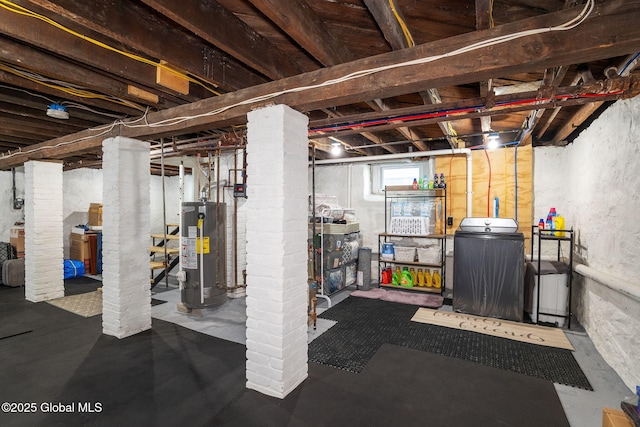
[203,254]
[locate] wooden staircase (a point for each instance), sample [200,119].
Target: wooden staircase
[158,248]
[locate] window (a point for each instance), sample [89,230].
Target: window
[396,174]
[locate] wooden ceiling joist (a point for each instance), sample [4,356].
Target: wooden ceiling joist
[65,44]
[611,30]
[215,24]
[134,26]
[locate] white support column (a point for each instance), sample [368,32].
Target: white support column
[126,300]
[44,272]
[276,250]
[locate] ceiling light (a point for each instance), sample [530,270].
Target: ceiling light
[57,111]
[336,146]
[492,144]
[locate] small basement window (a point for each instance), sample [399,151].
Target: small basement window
[396,174]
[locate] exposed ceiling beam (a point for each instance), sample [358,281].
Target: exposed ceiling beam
[36,109]
[220,27]
[33,87]
[133,26]
[560,73]
[303,25]
[484,21]
[50,67]
[587,110]
[610,31]
[37,33]
[389,21]
[371,137]
[619,89]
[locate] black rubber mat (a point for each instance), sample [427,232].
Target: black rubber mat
[173,376]
[365,324]
[155,302]
[80,285]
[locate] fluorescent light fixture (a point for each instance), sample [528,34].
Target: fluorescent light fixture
[57,111]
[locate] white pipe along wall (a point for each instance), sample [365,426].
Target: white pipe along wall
[385,157]
[592,182]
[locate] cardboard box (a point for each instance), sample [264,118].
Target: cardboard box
[80,249]
[95,214]
[16,238]
[615,418]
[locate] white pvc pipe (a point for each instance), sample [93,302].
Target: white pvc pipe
[181,199]
[384,157]
[617,284]
[469,184]
[201,232]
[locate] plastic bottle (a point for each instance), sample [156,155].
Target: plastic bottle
[394,279]
[420,277]
[420,184]
[414,277]
[437,280]
[398,273]
[427,278]
[442,183]
[541,225]
[406,279]
[548,225]
[553,214]
[435,181]
[415,184]
[386,276]
[560,225]
[425,182]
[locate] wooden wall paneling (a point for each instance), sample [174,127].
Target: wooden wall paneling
[502,185]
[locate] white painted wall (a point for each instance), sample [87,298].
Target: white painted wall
[593,183]
[81,187]
[333,180]
[8,215]
[172,202]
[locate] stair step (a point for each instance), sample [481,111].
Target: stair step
[160,250]
[169,236]
[155,265]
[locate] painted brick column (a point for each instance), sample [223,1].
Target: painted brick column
[277,157]
[44,256]
[126,300]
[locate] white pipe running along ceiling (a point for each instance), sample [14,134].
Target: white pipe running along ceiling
[386,157]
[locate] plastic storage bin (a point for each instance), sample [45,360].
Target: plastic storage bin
[403,253]
[554,292]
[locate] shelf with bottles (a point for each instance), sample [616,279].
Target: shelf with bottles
[552,235]
[438,264]
[553,286]
[409,278]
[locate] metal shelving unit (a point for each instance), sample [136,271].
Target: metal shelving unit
[546,236]
[435,195]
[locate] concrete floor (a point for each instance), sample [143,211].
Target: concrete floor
[583,408]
